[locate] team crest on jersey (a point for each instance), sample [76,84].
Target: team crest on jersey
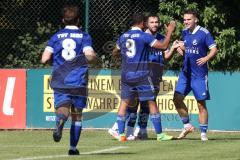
[194,42]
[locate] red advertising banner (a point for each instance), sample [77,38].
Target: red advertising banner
[12,98]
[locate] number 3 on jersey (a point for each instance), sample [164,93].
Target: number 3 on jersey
[68,52]
[131,48]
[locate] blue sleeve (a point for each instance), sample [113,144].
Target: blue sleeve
[50,43]
[149,39]
[87,40]
[209,41]
[182,36]
[160,37]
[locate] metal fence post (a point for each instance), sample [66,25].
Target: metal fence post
[86,15]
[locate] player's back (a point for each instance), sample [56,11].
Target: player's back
[134,49]
[67,44]
[69,62]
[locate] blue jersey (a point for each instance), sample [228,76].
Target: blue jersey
[134,46]
[156,55]
[156,62]
[196,45]
[69,62]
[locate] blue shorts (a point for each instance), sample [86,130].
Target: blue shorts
[76,101]
[156,72]
[143,90]
[199,86]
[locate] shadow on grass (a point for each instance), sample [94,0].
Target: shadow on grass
[211,139]
[111,153]
[188,139]
[224,139]
[148,139]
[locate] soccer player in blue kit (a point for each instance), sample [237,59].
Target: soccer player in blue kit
[156,64]
[71,50]
[135,77]
[194,75]
[157,59]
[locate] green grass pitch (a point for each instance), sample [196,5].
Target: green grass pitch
[99,145]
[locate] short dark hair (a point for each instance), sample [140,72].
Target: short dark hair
[191,11]
[70,15]
[137,18]
[151,15]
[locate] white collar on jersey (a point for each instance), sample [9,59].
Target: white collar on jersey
[136,28]
[71,27]
[195,29]
[148,31]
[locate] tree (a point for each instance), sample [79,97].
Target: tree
[215,21]
[28,48]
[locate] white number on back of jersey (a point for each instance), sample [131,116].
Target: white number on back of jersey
[68,52]
[131,48]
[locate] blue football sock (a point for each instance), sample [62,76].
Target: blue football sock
[75,133]
[143,115]
[132,116]
[127,115]
[121,123]
[203,128]
[132,119]
[156,120]
[185,120]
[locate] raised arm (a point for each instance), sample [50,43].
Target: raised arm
[163,45]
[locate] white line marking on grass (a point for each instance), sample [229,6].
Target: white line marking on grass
[84,153]
[106,150]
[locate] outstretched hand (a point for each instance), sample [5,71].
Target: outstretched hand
[180,51]
[177,45]
[180,48]
[171,26]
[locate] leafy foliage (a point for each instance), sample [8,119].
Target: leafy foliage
[28,48]
[215,21]
[213,16]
